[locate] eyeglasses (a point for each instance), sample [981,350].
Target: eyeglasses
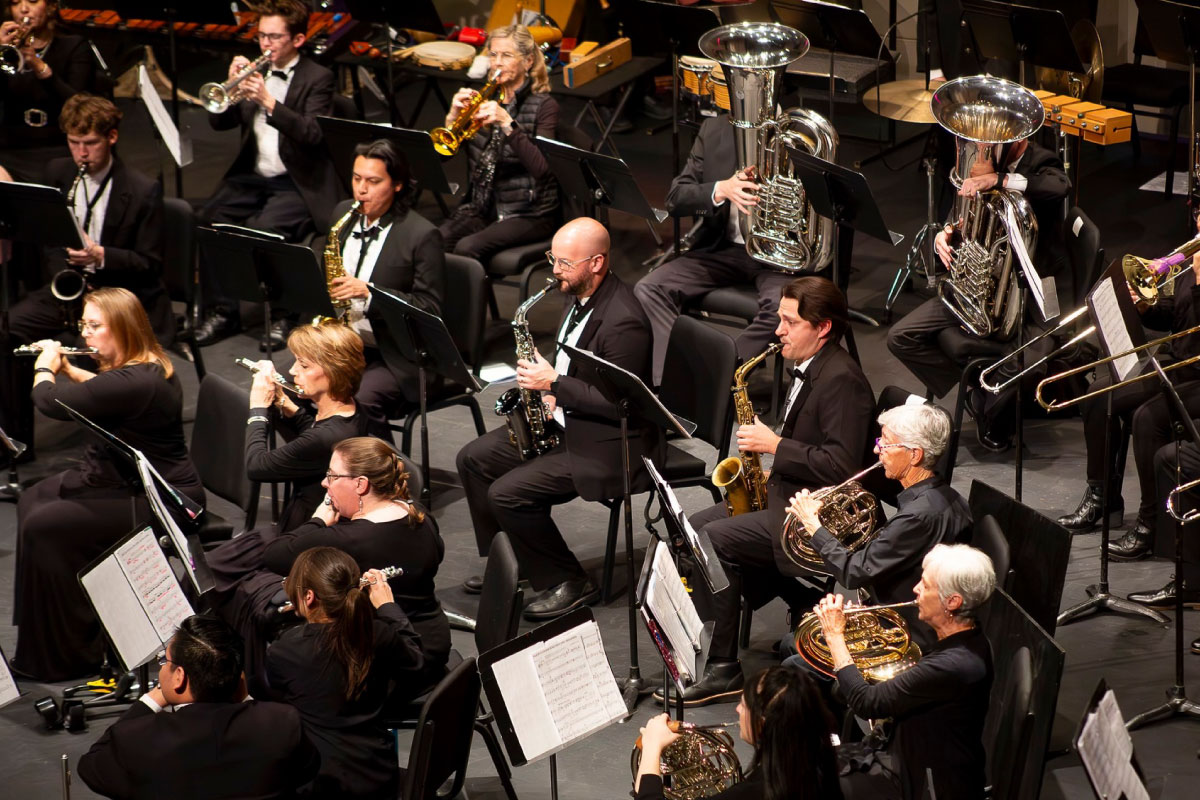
[89,327]
[329,476]
[566,262]
[880,444]
[506,56]
[163,660]
[274,37]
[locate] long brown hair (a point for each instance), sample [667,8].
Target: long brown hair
[129,327]
[375,460]
[333,577]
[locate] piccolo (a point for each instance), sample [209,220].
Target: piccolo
[277,378]
[388,573]
[36,350]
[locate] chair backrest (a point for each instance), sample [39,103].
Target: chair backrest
[987,536]
[696,379]
[441,746]
[1007,755]
[1082,238]
[179,251]
[219,448]
[500,601]
[465,315]
[344,107]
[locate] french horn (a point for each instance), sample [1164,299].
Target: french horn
[876,636]
[700,763]
[848,511]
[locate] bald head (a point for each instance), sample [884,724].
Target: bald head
[581,249]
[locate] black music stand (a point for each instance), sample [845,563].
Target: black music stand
[633,399]
[11,490]
[418,14]
[408,333]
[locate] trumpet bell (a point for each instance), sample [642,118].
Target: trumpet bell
[12,62]
[214,97]
[878,641]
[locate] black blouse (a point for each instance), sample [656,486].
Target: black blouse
[26,97]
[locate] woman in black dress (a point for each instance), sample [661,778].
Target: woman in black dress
[69,519]
[55,67]
[336,668]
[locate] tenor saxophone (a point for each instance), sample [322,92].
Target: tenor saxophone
[530,427]
[333,263]
[742,477]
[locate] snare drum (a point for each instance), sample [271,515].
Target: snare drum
[693,75]
[720,89]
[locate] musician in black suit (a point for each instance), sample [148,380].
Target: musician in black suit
[216,744]
[282,179]
[505,493]
[826,437]
[712,188]
[389,245]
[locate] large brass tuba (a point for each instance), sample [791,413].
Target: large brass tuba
[784,230]
[981,289]
[848,512]
[742,478]
[876,636]
[700,763]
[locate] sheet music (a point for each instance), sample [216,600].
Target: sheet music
[1111,325]
[150,576]
[1107,752]
[1044,291]
[668,495]
[8,685]
[673,611]
[148,474]
[179,147]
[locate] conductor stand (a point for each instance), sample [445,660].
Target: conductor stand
[633,399]
[1177,699]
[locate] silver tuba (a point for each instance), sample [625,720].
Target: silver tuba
[784,230]
[981,289]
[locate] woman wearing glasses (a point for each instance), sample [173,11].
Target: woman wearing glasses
[67,520]
[513,198]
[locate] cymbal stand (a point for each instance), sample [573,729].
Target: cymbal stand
[922,252]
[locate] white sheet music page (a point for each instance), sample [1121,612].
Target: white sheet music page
[147,472]
[672,502]
[179,146]
[1111,325]
[673,609]
[1107,751]
[8,686]
[149,574]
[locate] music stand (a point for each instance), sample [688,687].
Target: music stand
[390,15]
[633,399]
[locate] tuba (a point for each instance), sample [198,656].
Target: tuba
[876,636]
[994,227]
[700,763]
[848,512]
[783,231]
[742,477]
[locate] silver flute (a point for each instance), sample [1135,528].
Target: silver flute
[388,573]
[277,378]
[36,350]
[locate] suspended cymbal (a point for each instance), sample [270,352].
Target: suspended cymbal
[903,101]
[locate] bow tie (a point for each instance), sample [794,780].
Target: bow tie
[797,373]
[282,74]
[367,235]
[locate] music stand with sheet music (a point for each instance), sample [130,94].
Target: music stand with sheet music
[1106,750]
[632,398]
[683,538]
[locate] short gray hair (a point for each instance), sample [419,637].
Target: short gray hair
[961,569]
[919,425]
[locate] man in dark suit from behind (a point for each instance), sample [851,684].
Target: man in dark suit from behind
[195,736]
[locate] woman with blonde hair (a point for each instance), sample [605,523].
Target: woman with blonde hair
[67,520]
[513,197]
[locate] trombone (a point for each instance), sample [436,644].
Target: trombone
[1173,497]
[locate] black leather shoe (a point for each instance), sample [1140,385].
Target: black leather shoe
[561,599]
[277,336]
[1087,516]
[216,326]
[1196,646]
[991,440]
[473,584]
[1134,545]
[1165,597]
[722,683]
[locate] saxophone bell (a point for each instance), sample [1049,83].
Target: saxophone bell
[741,477]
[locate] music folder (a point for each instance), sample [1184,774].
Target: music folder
[1106,749]
[683,535]
[681,637]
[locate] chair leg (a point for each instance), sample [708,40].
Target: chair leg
[1135,138]
[491,299]
[488,735]
[960,406]
[476,415]
[744,625]
[610,554]
[406,435]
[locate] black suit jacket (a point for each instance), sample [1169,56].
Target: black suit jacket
[617,331]
[1048,186]
[301,144]
[827,436]
[711,159]
[203,750]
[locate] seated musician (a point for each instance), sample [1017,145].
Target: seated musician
[506,493]
[56,66]
[1028,169]
[1166,526]
[929,512]
[67,520]
[826,438]
[512,197]
[940,705]
[781,715]
[713,188]
[391,246]
[282,179]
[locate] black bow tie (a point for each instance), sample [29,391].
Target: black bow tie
[367,235]
[797,373]
[279,73]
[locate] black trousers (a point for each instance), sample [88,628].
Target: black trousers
[514,496]
[1165,525]
[743,545]
[384,397]
[466,233]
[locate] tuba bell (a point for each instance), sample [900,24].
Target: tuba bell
[848,512]
[700,763]
[981,289]
[876,636]
[784,230]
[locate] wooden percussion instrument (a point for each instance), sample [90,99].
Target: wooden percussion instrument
[694,75]
[720,89]
[440,55]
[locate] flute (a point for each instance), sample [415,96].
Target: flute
[36,350]
[277,378]
[388,573]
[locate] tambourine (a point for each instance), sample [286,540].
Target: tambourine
[440,55]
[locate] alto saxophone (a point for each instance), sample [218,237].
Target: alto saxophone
[742,477]
[333,264]
[530,427]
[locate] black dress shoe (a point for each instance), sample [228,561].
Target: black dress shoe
[1165,597]
[722,683]
[1134,545]
[216,326]
[1087,515]
[277,336]
[1196,646]
[561,599]
[992,440]
[473,584]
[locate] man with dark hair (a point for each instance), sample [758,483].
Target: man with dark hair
[389,245]
[282,179]
[216,744]
[825,438]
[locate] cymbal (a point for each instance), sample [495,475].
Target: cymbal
[903,101]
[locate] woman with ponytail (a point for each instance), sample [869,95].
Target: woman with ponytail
[337,667]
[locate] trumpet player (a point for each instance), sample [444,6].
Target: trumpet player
[282,179]
[940,704]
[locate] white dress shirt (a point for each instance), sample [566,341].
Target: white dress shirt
[351,250]
[794,391]
[733,228]
[562,362]
[86,193]
[267,161]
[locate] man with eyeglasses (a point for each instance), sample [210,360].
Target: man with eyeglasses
[282,179]
[197,734]
[507,494]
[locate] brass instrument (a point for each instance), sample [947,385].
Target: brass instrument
[333,263]
[784,230]
[995,226]
[848,512]
[1147,278]
[531,429]
[1086,85]
[12,60]
[36,350]
[68,284]
[388,573]
[277,379]
[447,140]
[1173,498]
[700,763]
[742,476]
[876,636]
[218,97]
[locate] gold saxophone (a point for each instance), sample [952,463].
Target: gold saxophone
[742,477]
[333,264]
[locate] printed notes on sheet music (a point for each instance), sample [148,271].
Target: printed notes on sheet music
[668,602]
[1107,752]
[150,575]
[1111,324]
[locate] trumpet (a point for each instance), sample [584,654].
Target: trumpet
[218,97]
[876,636]
[12,60]
[278,379]
[36,350]
[447,140]
[388,573]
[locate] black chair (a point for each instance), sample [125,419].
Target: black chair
[345,107]
[441,747]
[179,271]
[218,449]
[987,536]
[1008,750]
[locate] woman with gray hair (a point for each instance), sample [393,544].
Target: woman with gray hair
[939,705]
